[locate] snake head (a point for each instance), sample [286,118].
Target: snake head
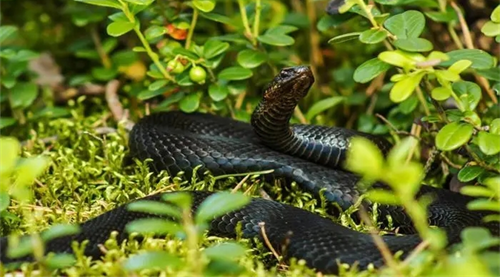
[292,83]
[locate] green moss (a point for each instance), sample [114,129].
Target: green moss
[86,178]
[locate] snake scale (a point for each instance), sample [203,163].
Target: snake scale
[306,154]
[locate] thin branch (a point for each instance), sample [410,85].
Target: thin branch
[384,250]
[267,242]
[240,184]
[463,25]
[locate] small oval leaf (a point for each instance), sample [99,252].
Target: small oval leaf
[453,135]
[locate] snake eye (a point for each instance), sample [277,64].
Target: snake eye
[285,73]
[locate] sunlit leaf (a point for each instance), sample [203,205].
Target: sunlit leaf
[218,204]
[453,135]
[152,260]
[370,69]
[365,158]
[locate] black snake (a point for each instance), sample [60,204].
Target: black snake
[309,155]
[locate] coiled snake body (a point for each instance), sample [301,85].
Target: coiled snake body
[306,154]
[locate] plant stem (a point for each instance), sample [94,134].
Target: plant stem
[463,25]
[98,45]
[455,37]
[153,55]
[145,43]
[244,19]
[421,98]
[479,161]
[256,21]
[368,12]
[192,241]
[191,28]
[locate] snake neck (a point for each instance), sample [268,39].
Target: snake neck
[271,121]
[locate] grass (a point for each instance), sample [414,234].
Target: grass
[86,177]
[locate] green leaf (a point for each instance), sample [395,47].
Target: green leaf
[4,199]
[218,92]
[281,30]
[405,87]
[52,112]
[103,3]
[181,199]
[277,36]
[119,16]
[469,93]
[250,58]
[27,171]
[488,143]
[372,36]
[492,74]
[157,226]
[495,15]
[140,2]
[409,105]
[370,69]
[383,197]
[483,205]
[24,248]
[397,58]
[174,98]
[219,204]
[399,153]
[495,126]
[409,24]
[155,207]
[184,52]
[157,84]
[491,29]
[213,48]
[479,58]
[60,230]
[152,260]
[493,183]
[414,44]
[441,93]
[103,73]
[154,32]
[147,94]
[478,238]
[6,32]
[477,191]
[223,268]
[469,173]
[190,103]
[61,260]
[225,251]
[322,105]
[344,38]
[276,40]
[459,66]
[445,17]
[235,73]
[10,149]
[23,94]
[204,5]
[6,122]
[118,28]
[364,158]
[453,135]
[217,18]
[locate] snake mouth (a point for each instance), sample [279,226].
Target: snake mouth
[291,83]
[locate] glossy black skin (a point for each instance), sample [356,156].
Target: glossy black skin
[179,142]
[319,144]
